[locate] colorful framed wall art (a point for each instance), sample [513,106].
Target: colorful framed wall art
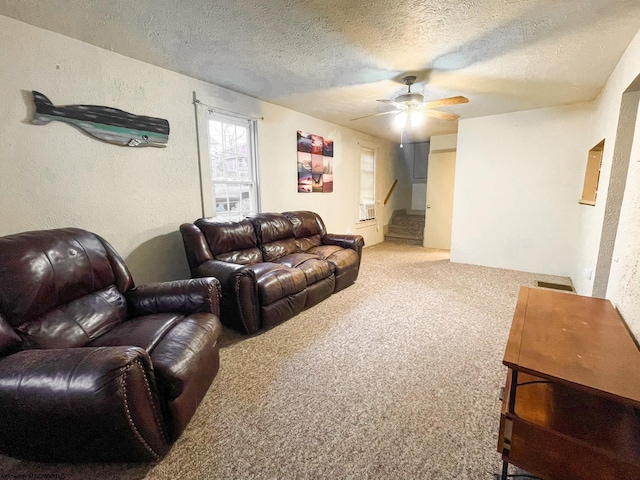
[315,163]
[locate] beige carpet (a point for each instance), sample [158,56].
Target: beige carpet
[396,377]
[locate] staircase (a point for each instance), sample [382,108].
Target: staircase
[405,228]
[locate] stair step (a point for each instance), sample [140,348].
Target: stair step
[407,220]
[409,236]
[406,241]
[407,229]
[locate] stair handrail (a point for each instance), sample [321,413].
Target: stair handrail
[386,199]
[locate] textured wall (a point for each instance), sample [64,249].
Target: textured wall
[605,121]
[53,176]
[624,280]
[518,181]
[615,191]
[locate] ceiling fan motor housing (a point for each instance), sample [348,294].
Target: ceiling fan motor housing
[410,98]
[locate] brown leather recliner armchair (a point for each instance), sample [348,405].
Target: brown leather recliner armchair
[93,368]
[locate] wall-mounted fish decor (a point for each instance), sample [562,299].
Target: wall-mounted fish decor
[106,123]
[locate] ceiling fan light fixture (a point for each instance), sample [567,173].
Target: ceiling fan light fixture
[400,120]
[415,118]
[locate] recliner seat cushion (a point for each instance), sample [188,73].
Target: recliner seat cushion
[342,259]
[313,267]
[277,281]
[144,332]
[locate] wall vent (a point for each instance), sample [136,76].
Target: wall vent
[555,286]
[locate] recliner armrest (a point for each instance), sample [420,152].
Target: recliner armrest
[81,404]
[354,242]
[199,295]
[225,272]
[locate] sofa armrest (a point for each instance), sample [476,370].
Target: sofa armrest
[239,304]
[81,404]
[354,242]
[198,295]
[195,245]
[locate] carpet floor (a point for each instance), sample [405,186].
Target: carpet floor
[396,377]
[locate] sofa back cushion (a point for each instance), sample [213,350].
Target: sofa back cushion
[9,339]
[275,235]
[230,241]
[307,228]
[59,288]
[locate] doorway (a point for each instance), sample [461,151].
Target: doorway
[439,206]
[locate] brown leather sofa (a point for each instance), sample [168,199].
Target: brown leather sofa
[93,368]
[270,266]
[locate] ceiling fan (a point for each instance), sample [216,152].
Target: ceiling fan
[410,107]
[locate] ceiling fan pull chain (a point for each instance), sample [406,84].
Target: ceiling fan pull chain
[401,145]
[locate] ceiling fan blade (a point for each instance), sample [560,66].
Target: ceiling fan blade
[446,101]
[442,115]
[401,106]
[374,115]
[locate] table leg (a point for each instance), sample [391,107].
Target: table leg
[505,467]
[510,409]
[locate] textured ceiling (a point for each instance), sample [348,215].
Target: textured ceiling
[332,59]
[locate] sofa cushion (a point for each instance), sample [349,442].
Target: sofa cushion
[307,228]
[275,233]
[8,338]
[342,259]
[277,281]
[144,332]
[231,241]
[305,244]
[313,267]
[305,223]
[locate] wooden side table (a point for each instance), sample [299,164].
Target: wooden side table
[572,397]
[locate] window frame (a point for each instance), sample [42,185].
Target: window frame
[208,182]
[368,147]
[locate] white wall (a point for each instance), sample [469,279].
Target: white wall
[53,176]
[518,180]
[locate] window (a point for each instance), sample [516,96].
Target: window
[592,175]
[367,184]
[232,166]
